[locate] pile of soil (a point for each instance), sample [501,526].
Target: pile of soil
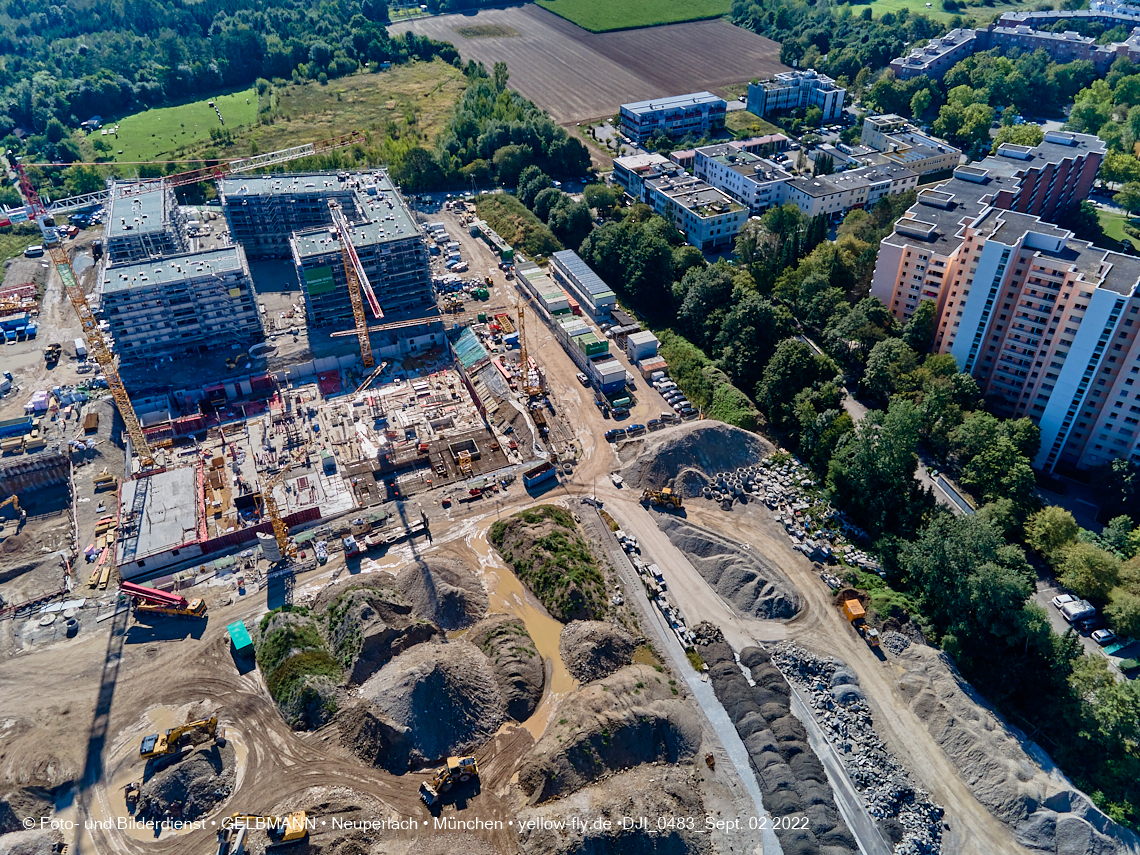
[632,717]
[33,842]
[791,777]
[1025,791]
[643,792]
[198,782]
[368,625]
[22,802]
[594,649]
[445,592]
[707,446]
[374,738]
[743,576]
[519,670]
[446,695]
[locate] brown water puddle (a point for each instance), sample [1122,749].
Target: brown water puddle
[509,596]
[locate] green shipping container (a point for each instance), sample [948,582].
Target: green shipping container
[591,345]
[482,317]
[239,637]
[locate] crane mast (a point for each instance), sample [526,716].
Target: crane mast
[357,280]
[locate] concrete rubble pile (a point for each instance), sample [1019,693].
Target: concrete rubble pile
[832,692]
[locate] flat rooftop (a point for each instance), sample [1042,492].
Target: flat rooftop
[167,514]
[673,102]
[642,162]
[174,268]
[384,218]
[841,182]
[695,195]
[583,275]
[135,208]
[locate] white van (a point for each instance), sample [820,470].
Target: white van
[34,251]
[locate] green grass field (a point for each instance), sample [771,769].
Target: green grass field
[743,122]
[159,134]
[936,13]
[13,245]
[600,16]
[1113,225]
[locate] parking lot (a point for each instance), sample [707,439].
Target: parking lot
[1044,595]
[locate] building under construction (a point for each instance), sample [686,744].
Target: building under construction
[162,521]
[143,223]
[181,304]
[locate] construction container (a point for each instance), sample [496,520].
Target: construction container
[556,302]
[651,367]
[239,638]
[641,345]
[591,345]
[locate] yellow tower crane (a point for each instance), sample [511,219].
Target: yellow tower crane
[269,507]
[525,362]
[357,282]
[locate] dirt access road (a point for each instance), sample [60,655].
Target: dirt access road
[576,75]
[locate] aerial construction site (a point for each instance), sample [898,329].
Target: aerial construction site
[321,538]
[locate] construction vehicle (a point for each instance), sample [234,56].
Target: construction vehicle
[105,481]
[710,761]
[161,744]
[151,601]
[270,510]
[133,790]
[281,830]
[857,616]
[457,770]
[52,353]
[21,514]
[665,496]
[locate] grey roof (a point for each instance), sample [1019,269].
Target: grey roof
[168,517]
[135,209]
[673,102]
[586,278]
[175,268]
[744,163]
[841,182]
[387,220]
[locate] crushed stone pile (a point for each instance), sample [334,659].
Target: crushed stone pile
[191,786]
[374,738]
[743,576]
[446,695]
[444,591]
[791,777]
[905,814]
[706,447]
[895,642]
[519,670]
[594,649]
[1045,812]
[649,791]
[634,716]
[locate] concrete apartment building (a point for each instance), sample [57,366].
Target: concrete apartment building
[181,304]
[589,289]
[1043,181]
[897,141]
[143,222]
[938,56]
[747,178]
[707,217]
[836,194]
[632,171]
[790,90]
[697,114]
[263,211]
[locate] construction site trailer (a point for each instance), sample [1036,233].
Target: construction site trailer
[239,637]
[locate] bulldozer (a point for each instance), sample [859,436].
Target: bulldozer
[456,770]
[159,745]
[664,496]
[281,830]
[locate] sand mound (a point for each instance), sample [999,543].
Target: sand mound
[708,446]
[445,694]
[374,738]
[593,649]
[629,718]
[742,576]
[197,783]
[519,670]
[646,791]
[444,591]
[791,777]
[1024,790]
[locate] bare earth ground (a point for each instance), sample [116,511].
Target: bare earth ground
[577,75]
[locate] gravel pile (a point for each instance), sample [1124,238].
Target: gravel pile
[519,670]
[445,695]
[905,813]
[191,787]
[755,586]
[704,446]
[791,777]
[445,592]
[594,649]
[895,642]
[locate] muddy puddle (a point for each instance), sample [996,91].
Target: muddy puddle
[509,596]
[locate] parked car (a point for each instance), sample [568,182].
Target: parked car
[583,379]
[632,429]
[1062,599]
[680,404]
[615,434]
[620,412]
[1078,610]
[1104,637]
[654,424]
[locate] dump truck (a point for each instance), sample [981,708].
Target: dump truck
[857,616]
[664,496]
[281,830]
[457,770]
[151,601]
[161,744]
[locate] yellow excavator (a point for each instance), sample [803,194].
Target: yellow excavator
[21,515]
[281,830]
[664,496]
[159,745]
[457,770]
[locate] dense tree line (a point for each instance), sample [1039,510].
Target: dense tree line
[493,135]
[75,59]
